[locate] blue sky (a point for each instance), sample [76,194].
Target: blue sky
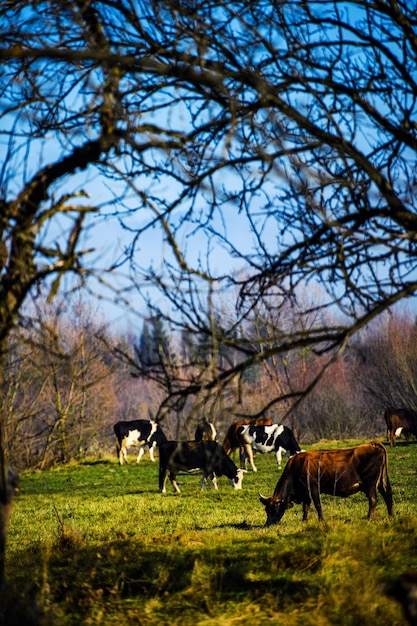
[106,234]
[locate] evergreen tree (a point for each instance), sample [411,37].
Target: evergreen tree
[153,350]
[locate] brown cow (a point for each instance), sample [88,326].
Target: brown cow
[400,421]
[340,472]
[232,441]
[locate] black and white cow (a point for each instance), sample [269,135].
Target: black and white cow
[205,431]
[208,457]
[139,433]
[276,438]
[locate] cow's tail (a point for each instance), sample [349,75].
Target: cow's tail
[383,472]
[384,480]
[295,446]
[383,484]
[387,416]
[116,434]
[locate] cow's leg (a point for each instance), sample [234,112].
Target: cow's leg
[306,508]
[151,451]
[163,475]
[386,493]
[162,481]
[214,481]
[140,454]
[315,494]
[118,451]
[173,479]
[249,454]
[372,499]
[278,455]
[123,454]
[242,457]
[389,436]
[203,480]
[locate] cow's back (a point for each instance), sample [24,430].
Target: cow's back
[405,417]
[260,435]
[337,470]
[122,428]
[231,441]
[190,455]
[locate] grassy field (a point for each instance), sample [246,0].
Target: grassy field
[95,543]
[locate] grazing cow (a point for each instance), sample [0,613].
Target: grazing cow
[205,431]
[190,456]
[335,472]
[139,433]
[276,438]
[400,421]
[231,441]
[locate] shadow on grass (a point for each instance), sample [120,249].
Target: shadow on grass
[237,526]
[402,445]
[74,579]
[92,463]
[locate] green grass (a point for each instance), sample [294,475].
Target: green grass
[96,543]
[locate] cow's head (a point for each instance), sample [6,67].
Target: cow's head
[275,508]
[236,482]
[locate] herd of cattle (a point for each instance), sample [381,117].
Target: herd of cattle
[307,474]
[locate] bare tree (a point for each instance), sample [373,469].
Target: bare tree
[268,146]
[391,356]
[289,143]
[60,382]
[281,137]
[73,366]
